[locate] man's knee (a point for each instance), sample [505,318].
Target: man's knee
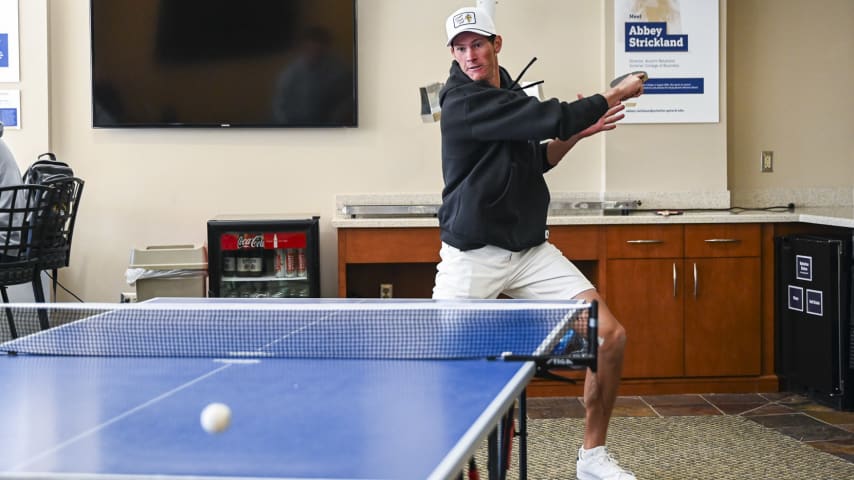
[612,334]
[613,337]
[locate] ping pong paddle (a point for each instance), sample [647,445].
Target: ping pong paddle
[643,76]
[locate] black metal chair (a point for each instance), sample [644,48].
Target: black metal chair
[24,213]
[54,251]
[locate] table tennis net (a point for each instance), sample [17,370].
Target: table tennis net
[323,330]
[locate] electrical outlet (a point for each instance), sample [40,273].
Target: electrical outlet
[386,290]
[767,161]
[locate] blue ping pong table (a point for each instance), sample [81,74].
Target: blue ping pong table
[105,416]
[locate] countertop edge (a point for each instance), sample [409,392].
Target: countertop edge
[828,219]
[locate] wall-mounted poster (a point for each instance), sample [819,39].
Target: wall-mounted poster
[9,61]
[676,43]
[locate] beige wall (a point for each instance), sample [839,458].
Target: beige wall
[791,70]
[160,186]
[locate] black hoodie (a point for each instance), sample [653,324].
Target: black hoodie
[493,160]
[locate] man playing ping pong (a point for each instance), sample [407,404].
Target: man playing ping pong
[495,202]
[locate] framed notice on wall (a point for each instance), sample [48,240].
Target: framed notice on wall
[676,43]
[10,108]
[9,62]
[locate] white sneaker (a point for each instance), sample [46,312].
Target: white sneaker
[598,464]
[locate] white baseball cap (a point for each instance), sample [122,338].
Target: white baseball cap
[469,19]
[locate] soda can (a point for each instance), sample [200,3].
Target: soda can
[280,263]
[291,263]
[301,267]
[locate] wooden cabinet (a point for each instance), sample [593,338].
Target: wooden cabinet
[696,299]
[644,272]
[403,257]
[582,245]
[577,242]
[722,300]
[689,298]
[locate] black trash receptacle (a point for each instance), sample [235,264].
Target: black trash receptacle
[814,334]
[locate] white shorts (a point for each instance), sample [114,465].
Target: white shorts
[541,272]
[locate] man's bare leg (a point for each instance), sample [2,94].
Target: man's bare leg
[600,388]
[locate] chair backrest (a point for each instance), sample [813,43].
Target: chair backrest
[20,208]
[56,227]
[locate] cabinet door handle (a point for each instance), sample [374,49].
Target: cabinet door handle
[644,242]
[674,279]
[695,279]
[722,240]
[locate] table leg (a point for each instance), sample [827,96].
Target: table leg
[523,436]
[493,455]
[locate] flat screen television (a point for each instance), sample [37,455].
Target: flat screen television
[223,63]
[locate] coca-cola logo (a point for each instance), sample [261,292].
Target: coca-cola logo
[250,241]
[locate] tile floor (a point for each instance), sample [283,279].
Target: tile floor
[794,415]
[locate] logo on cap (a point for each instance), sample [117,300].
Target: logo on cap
[465,18]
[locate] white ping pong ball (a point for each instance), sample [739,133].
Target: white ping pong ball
[216,418]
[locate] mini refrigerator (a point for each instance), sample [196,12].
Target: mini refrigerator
[814,334]
[261,256]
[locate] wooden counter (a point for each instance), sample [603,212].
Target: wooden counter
[699,314]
